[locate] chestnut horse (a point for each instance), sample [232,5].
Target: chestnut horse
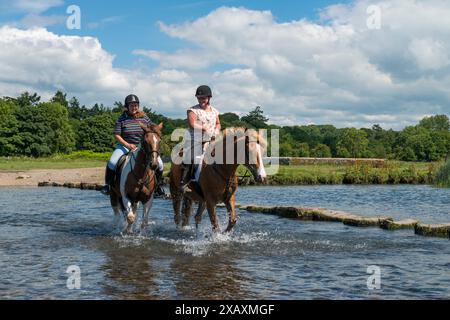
[135,179]
[218,181]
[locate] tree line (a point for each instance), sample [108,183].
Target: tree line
[31,127]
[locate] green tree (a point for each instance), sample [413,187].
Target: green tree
[286,149]
[342,152]
[9,128]
[61,98]
[321,151]
[355,141]
[96,133]
[418,140]
[44,130]
[118,107]
[303,150]
[256,118]
[436,123]
[27,99]
[229,120]
[405,154]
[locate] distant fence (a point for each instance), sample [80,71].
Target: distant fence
[294,161]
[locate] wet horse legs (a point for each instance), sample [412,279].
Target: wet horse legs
[231,208]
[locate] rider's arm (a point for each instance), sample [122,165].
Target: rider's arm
[218,125]
[119,139]
[192,120]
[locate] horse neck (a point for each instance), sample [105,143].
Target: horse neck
[228,169]
[139,167]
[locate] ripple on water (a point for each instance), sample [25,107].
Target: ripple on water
[265,257]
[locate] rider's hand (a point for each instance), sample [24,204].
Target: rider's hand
[132,147]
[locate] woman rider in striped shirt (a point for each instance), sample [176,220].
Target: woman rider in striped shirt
[128,134]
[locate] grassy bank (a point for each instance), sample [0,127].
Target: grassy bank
[443,175]
[71,161]
[391,172]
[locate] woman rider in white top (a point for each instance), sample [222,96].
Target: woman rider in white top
[204,125]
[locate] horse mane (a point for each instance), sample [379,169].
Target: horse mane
[241,133]
[155,129]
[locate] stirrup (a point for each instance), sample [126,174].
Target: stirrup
[185,188]
[106,190]
[159,191]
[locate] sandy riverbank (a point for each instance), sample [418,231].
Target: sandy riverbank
[33,177]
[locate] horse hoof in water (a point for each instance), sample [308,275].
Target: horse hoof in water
[177,220]
[230,227]
[216,230]
[131,218]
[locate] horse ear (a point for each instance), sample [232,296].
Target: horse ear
[144,127]
[160,126]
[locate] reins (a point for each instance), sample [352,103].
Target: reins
[147,154]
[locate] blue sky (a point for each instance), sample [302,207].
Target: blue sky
[122,26]
[304,62]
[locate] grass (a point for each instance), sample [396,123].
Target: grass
[76,160]
[392,172]
[443,175]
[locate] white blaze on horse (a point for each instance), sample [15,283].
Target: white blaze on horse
[135,181]
[217,180]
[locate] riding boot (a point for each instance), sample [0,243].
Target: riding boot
[159,192]
[109,176]
[186,178]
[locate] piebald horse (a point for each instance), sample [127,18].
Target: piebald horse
[135,179]
[218,181]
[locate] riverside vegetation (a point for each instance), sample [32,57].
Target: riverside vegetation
[62,134]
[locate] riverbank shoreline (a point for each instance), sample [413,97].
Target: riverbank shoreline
[32,178]
[287,176]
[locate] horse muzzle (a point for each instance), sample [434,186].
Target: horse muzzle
[261,179]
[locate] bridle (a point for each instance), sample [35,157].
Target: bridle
[147,160]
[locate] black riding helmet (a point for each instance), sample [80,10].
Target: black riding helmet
[130,99]
[203,91]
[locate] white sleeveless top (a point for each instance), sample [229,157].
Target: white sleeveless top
[207,120]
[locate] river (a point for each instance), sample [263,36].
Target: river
[43,231]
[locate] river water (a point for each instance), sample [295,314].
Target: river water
[43,231]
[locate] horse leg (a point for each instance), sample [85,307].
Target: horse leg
[231,208]
[187,210]
[176,202]
[147,207]
[200,210]
[212,215]
[175,191]
[116,208]
[131,216]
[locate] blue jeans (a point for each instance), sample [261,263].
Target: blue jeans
[120,151]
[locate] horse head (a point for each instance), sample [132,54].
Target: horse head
[248,150]
[254,145]
[151,143]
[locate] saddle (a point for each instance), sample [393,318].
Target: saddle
[193,183]
[119,168]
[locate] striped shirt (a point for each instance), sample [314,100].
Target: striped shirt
[129,129]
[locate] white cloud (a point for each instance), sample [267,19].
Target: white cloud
[30,6]
[429,54]
[311,70]
[35,20]
[32,12]
[41,61]
[105,22]
[337,71]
